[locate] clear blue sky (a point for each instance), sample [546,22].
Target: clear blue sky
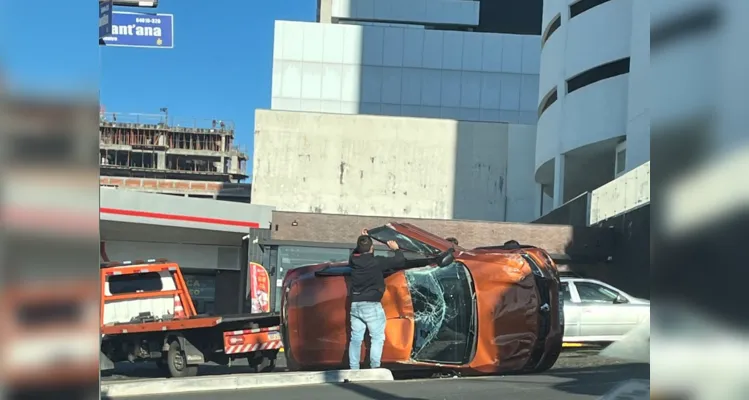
[220,66]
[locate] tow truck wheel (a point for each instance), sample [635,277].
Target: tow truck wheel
[177,362]
[265,362]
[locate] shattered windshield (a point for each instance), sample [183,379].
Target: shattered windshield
[443,313]
[385,234]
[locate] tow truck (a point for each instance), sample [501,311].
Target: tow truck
[147,315]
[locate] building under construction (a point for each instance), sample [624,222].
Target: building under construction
[170,155]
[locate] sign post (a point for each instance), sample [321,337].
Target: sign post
[105,18]
[131,29]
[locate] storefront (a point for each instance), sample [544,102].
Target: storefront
[211,240]
[202,286]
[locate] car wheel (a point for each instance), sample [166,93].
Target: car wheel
[551,357]
[177,362]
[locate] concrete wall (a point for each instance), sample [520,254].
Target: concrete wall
[402,71]
[589,243]
[394,166]
[621,195]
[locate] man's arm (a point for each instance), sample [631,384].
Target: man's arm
[398,260]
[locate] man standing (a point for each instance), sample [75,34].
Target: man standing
[367,288]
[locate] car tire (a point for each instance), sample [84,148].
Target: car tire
[177,362]
[551,357]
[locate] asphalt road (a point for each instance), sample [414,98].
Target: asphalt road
[570,359]
[579,374]
[586,383]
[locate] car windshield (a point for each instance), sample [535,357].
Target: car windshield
[444,315]
[384,234]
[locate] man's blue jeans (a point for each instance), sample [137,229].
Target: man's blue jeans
[367,314]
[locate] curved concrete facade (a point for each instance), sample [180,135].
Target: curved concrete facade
[596,59]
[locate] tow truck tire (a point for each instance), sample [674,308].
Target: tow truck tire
[265,363]
[177,362]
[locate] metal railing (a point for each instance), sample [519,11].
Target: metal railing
[174,123]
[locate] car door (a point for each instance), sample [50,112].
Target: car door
[600,315]
[571,312]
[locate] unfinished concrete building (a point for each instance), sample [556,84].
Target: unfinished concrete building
[188,157]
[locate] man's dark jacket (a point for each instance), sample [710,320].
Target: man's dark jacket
[367,274]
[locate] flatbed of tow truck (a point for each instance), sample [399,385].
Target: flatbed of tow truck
[147,314]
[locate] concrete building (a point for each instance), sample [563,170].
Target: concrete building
[394,166]
[186,157]
[593,123]
[415,108]
[448,59]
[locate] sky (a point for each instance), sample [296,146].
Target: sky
[220,66]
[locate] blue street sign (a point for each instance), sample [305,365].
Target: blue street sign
[130,29]
[105,18]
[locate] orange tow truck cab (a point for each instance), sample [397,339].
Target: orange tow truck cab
[147,314]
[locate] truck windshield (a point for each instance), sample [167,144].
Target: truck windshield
[444,315]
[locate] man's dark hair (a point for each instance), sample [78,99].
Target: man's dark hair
[363,244]
[452,240]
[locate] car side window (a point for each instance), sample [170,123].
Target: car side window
[590,292]
[564,291]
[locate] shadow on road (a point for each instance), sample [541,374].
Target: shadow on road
[592,381]
[598,380]
[371,393]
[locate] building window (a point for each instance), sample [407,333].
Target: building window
[553,26]
[124,284]
[583,6]
[590,292]
[597,74]
[510,16]
[547,101]
[621,159]
[202,287]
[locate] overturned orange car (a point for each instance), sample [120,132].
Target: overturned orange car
[481,311]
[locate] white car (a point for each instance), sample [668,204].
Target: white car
[598,312]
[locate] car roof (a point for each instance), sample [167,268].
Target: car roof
[577,279]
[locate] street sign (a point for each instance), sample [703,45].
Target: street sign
[131,29]
[105,18]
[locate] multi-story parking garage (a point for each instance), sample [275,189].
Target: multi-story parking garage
[593,123]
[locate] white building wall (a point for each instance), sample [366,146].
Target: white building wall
[401,71]
[583,128]
[596,112]
[638,114]
[393,166]
[453,12]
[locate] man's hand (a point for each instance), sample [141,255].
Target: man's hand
[393,246]
[364,232]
